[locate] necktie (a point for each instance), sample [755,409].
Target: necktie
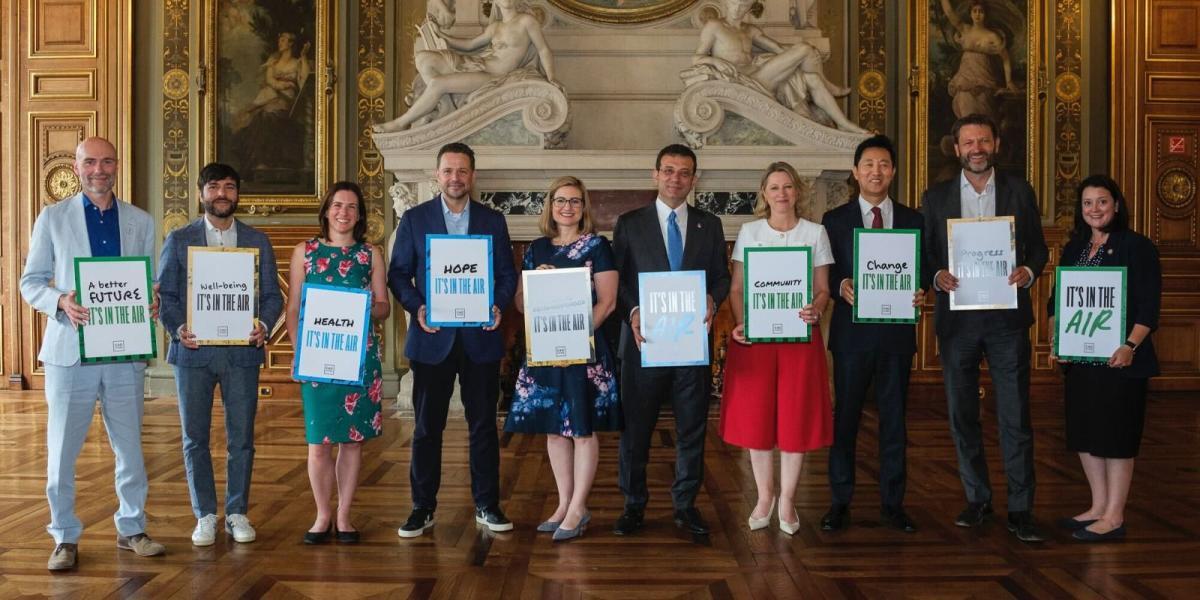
[877,219]
[674,243]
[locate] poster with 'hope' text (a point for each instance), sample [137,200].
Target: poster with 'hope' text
[458,280]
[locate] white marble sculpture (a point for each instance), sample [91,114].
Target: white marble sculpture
[510,49]
[791,75]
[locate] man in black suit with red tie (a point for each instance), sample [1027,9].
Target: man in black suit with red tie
[668,235]
[867,355]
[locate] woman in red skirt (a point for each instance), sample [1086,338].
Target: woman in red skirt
[777,394]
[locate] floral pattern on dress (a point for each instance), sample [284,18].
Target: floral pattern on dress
[576,400]
[334,413]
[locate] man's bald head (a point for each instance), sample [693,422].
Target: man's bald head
[96,167]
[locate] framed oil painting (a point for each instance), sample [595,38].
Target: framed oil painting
[622,11]
[267,97]
[977,56]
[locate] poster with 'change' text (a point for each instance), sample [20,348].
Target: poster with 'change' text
[887,273]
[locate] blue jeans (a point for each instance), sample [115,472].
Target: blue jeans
[239,395]
[71,394]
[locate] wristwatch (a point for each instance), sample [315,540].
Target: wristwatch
[1132,346]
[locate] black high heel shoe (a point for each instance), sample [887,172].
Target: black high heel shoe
[318,537]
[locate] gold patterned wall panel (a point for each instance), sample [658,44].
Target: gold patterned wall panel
[176,108]
[370,84]
[62,29]
[1068,108]
[872,59]
[52,150]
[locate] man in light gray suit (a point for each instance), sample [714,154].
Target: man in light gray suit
[90,223]
[198,369]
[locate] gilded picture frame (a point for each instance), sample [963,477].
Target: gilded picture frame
[622,11]
[953,71]
[267,98]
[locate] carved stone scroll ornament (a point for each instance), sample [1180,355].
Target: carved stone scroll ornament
[701,108]
[543,106]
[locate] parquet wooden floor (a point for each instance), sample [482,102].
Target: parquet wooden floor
[1160,559]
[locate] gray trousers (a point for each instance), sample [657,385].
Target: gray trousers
[1008,355]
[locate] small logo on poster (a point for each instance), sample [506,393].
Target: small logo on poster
[777,328]
[330,369]
[118,345]
[1089,348]
[560,351]
[885,309]
[460,313]
[222,331]
[981,297]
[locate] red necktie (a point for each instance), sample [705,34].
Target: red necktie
[877,220]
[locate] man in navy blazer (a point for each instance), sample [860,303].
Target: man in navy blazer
[868,354]
[642,243]
[198,369]
[965,338]
[438,355]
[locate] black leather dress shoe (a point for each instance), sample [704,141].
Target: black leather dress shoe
[974,514]
[629,522]
[837,518]
[1073,524]
[896,518]
[1020,523]
[318,537]
[689,520]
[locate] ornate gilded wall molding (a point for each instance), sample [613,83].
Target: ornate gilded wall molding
[872,60]
[176,106]
[369,91]
[1068,103]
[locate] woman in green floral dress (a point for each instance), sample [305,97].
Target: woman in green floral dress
[345,415]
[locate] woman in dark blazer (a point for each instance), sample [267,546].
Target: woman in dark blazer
[1106,403]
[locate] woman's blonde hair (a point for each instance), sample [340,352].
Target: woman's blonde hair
[546,223]
[761,209]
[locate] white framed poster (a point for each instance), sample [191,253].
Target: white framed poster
[777,285]
[887,274]
[672,308]
[117,293]
[1089,321]
[982,254]
[222,295]
[558,317]
[334,324]
[459,283]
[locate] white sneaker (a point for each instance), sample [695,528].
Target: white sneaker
[239,527]
[205,532]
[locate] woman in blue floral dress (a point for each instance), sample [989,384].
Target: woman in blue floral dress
[570,404]
[346,415]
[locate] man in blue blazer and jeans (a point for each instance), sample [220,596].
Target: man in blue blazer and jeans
[440,354]
[198,369]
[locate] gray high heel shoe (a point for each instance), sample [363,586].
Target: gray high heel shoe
[562,535]
[548,526]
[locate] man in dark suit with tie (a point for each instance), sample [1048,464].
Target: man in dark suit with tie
[438,355]
[1002,336]
[866,354]
[668,235]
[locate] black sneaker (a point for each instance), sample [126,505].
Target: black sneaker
[420,520]
[974,514]
[493,519]
[1020,523]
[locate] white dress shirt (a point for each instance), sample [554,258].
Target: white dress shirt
[885,208]
[978,204]
[217,238]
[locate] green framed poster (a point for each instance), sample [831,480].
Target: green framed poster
[1089,313]
[777,285]
[887,273]
[117,292]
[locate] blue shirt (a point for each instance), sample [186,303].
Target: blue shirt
[456,223]
[103,228]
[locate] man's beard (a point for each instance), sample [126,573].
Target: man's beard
[990,162]
[211,208]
